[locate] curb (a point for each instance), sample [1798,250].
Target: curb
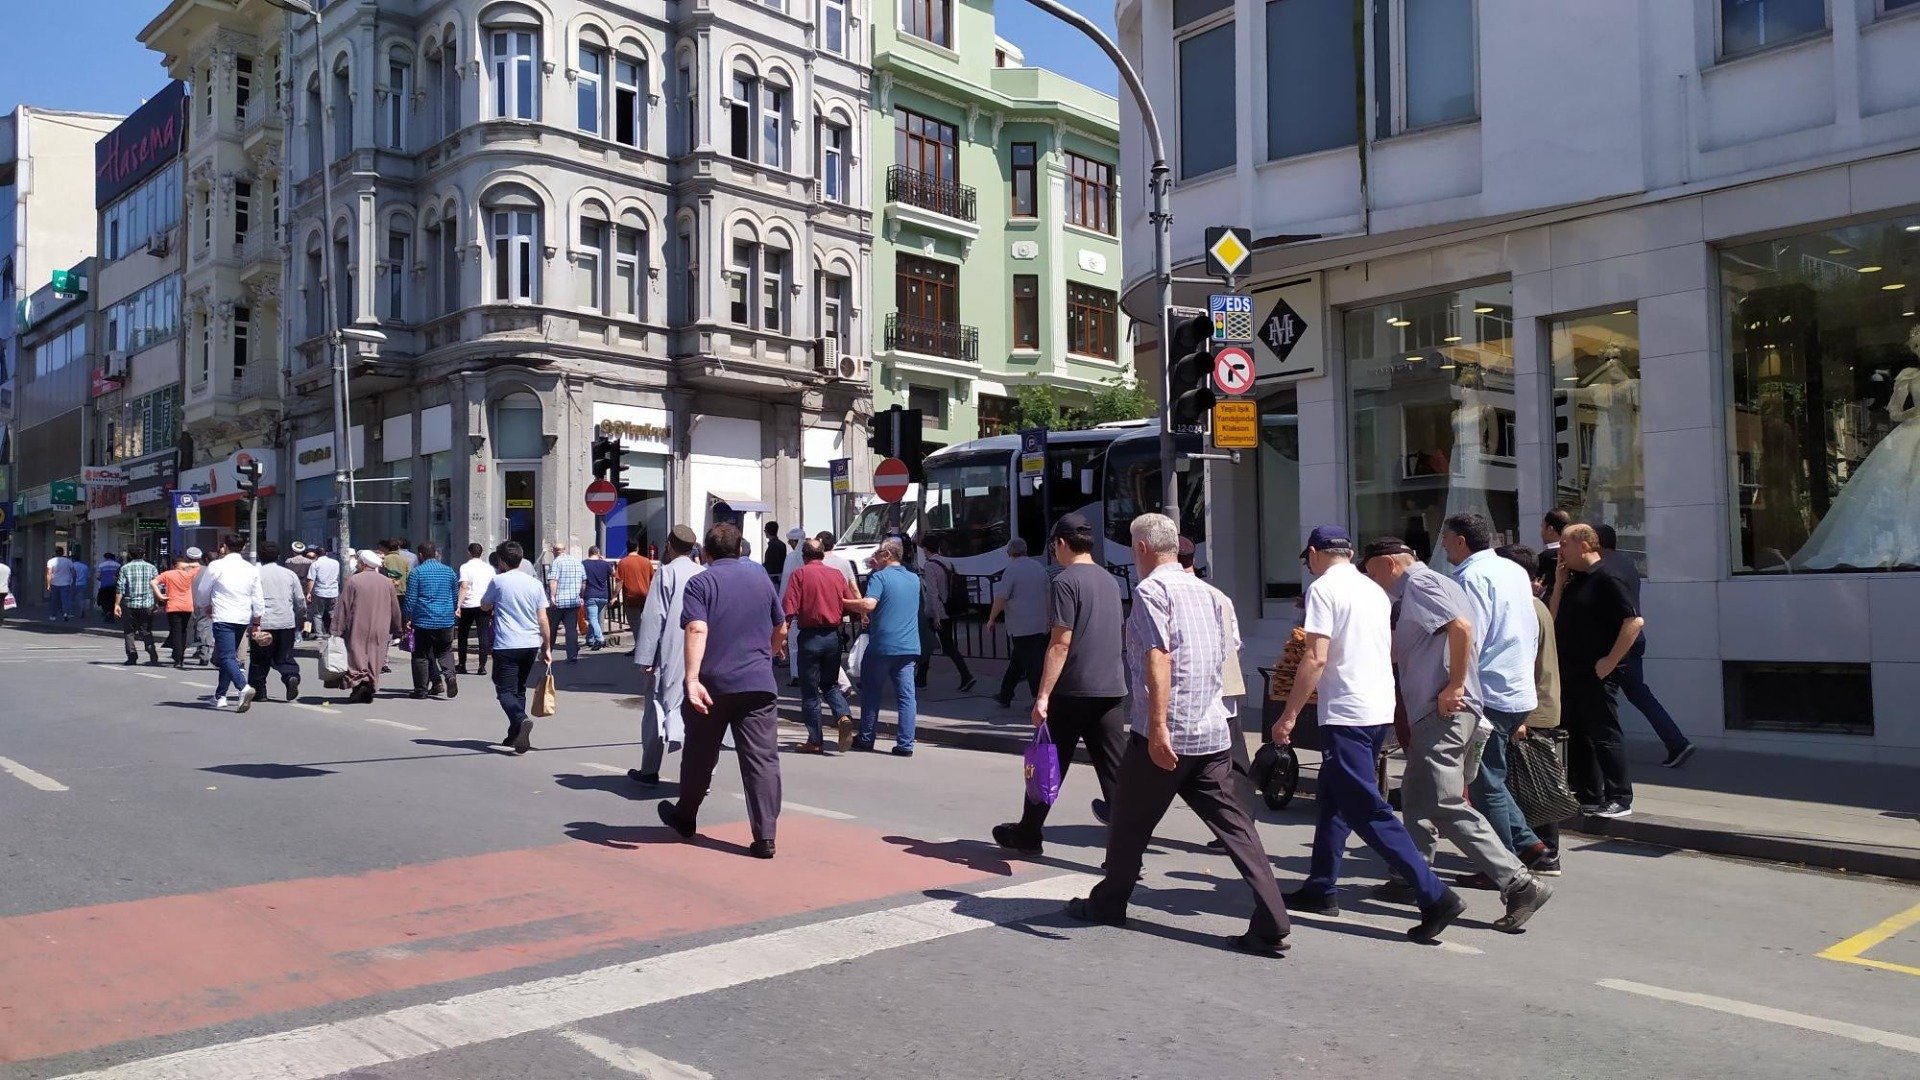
[1667,832]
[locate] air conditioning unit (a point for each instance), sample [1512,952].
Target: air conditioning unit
[826,356]
[160,245]
[852,369]
[117,364]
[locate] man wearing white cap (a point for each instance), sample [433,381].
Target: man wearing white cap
[368,617]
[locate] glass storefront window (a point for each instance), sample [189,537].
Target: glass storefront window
[643,515]
[440,505]
[1596,425]
[1431,416]
[1280,496]
[1823,356]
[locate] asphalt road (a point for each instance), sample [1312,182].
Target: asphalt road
[374,891]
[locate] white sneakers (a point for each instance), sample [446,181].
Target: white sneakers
[220,702]
[247,695]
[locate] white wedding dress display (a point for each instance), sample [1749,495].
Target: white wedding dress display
[1875,524]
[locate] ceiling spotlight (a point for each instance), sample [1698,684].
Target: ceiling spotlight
[1449,367]
[1838,251]
[1483,309]
[1399,322]
[1453,339]
[1895,287]
[1624,311]
[1913,228]
[1871,269]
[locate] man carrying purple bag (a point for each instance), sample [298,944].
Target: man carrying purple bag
[1178,643]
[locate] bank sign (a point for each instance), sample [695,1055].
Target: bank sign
[154,135]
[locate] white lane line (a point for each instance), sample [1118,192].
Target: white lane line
[127,670]
[803,808]
[314,708]
[393,723]
[322,1050]
[39,780]
[603,768]
[1734,1007]
[1368,921]
[196,685]
[631,1059]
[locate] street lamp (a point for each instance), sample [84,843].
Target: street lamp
[1160,183]
[337,336]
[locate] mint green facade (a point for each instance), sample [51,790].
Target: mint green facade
[961,351]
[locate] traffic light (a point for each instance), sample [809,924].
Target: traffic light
[1190,380]
[897,434]
[607,463]
[881,440]
[247,474]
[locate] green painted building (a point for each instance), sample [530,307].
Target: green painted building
[996,254]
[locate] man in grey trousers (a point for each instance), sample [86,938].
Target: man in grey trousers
[1436,649]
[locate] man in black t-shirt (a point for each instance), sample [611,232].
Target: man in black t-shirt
[1596,624]
[1631,677]
[1083,681]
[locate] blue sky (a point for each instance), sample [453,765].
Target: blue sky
[54,56]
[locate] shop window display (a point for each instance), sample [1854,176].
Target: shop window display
[1598,475]
[1431,415]
[1823,350]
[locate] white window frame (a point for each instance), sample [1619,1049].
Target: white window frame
[590,262]
[242,88]
[396,267]
[399,89]
[242,212]
[633,110]
[835,310]
[828,8]
[1194,29]
[776,100]
[743,268]
[513,235]
[776,269]
[514,58]
[627,290]
[835,175]
[1395,12]
[1720,30]
[588,79]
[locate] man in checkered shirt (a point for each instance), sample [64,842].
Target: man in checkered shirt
[566,589]
[1181,635]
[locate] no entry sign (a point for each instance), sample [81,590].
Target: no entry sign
[890,479]
[601,495]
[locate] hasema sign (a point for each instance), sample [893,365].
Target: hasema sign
[154,135]
[214,482]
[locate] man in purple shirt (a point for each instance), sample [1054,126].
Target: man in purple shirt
[735,629]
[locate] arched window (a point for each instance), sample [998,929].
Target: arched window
[513,235]
[628,124]
[316,132]
[342,105]
[686,252]
[393,267]
[517,432]
[513,50]
[399,103]
[343,276]
[590,258]
[835,139]
[443,84]
[757,275]
[590,81]
[629,292]
[316,288]
[757,108]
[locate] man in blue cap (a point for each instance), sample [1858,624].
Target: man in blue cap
[1349,659]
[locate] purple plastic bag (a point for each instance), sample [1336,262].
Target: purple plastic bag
[406,640]
[1043,768]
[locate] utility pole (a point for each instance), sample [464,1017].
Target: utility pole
[1160,184]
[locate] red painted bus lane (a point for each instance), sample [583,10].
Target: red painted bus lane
[88,977]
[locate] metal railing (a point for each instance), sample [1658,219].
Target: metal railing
[929,192]
[931,337]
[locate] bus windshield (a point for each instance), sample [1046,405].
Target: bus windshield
[878,519]
[968,503]
[1133,488]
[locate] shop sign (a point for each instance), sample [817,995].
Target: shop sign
[635,427]
[36,501]
[64,491]
[150,524]
[6,516]
[103,474]
[143,143]
[154,467]
[1290,345]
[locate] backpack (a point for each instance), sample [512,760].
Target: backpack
[957,599]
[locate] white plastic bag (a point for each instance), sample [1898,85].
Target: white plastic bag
[855,655]
[333,662]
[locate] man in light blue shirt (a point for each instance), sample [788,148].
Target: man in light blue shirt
[521,635]
[892,608]
[1503,612]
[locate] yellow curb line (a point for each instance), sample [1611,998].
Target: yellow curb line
[1850,950]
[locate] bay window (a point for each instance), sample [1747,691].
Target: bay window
[515,70]
[515,263]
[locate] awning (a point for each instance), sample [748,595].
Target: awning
[740,504]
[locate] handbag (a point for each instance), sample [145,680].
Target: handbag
[1538,782]
[1043,768]
[406,640]
[545,697]
[333,662]
[855,655]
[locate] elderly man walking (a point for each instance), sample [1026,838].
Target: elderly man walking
[1507,633]
[659,652]
[283,606]
[813,601]
[517,605]
[133,604]
[227,592]
[1597,625]
[735,629]
[1435,644]
[892,609]
[1022,597]
[1349,660]
[566,594]
[1178,644]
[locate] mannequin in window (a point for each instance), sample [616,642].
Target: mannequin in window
[1875,523]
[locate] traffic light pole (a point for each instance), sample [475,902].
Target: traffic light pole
[1160,185]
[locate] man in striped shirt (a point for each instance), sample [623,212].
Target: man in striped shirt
[133,605]
[1181,635]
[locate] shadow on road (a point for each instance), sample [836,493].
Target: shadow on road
[618,785]
[269,771]
[633,837]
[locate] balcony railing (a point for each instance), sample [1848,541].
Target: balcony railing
[931,337]
[930,192]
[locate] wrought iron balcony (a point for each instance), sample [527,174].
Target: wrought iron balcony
[931,337]
[931,193]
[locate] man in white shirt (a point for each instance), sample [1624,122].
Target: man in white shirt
[323,588]
[6,588]
[1349,659]
[228,594]
[59,582]
[475,575]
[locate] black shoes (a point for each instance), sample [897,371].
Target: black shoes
[523,739]
[1396,891]
[1678,757]
[1079,909]
[1522,903]
[644,779]
[293,688]
[1311,903]
[670,817]
[900,751]
[1101,812]
[417,695]
[1010,837]
[1005,703]
[966,684]
[453,688]
[1438,918]
[762,849]
[862,745]
[130,660]
[1258,946]
[153,659]
[436,689]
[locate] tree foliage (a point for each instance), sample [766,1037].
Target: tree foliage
[1038,405]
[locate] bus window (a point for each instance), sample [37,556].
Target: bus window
[1133,488]
[968,502]
[877,519]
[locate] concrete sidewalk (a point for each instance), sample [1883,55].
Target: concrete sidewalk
[1861,818]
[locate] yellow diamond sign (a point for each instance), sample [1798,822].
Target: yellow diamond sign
[1228,250]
